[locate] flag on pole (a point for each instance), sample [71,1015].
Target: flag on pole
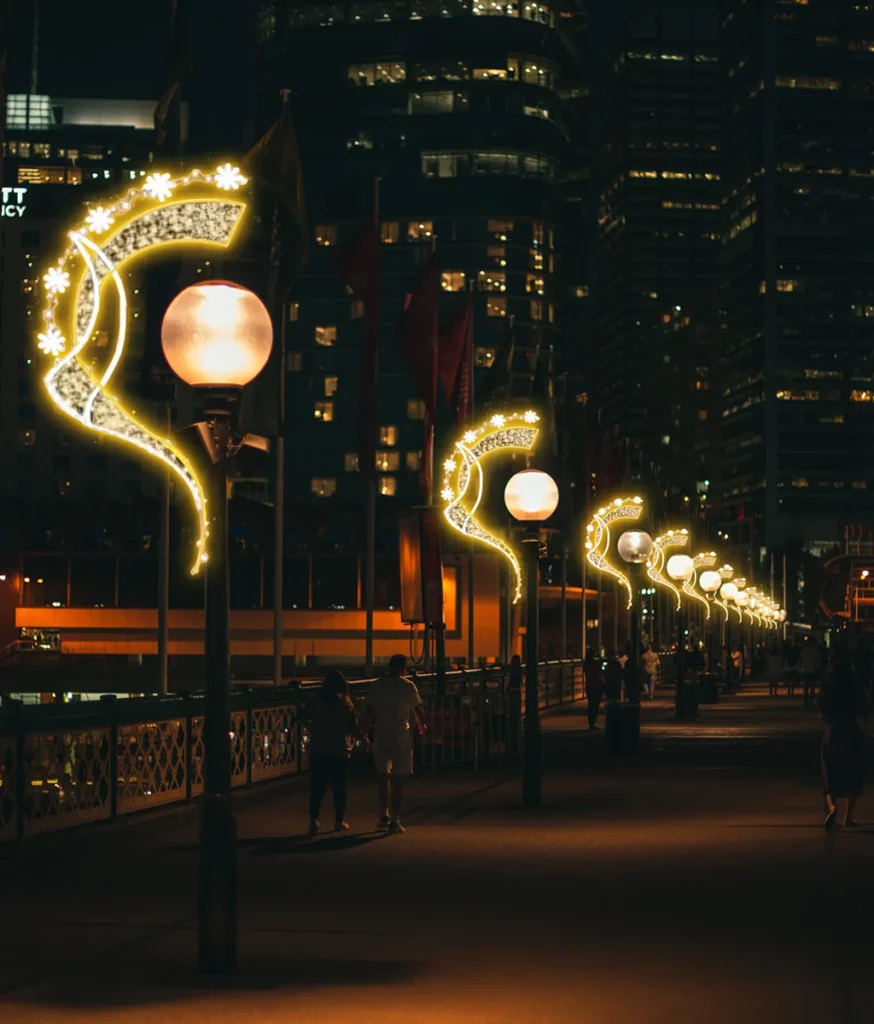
[417,335]
[168,112]
[358,264]
[455,362]
[274,163]
[497,387]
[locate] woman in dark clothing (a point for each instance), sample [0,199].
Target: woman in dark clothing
[594,686]
[331,720]
[842,703]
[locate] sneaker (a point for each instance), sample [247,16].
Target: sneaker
[384,822]
[341,826]
[396,828]
[313,830]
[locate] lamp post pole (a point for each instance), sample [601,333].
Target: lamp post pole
[632,687]
[679,702]
[533,758]
[217,918]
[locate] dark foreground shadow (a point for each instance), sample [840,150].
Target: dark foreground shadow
[130,984]
[295,845]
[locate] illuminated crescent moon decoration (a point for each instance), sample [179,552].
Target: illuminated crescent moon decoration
[655,566]
[598,553]
[703,561]
[725,574]
[463,478]
[755,617]
[146,217]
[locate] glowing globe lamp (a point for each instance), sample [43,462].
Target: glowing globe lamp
[710,581]
[634,546]
[680,567]
[728,591]
[217,334]
[531,496]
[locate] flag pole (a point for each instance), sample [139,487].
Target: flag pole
[471,576]
[370,541]
[440,630]
[277,311]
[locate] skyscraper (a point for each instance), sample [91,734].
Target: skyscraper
[656,295]
[798,405]
[453,113]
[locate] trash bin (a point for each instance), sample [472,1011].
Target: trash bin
[622,729]
[689,700]
[708,688]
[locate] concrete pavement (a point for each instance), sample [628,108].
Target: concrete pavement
[695,885]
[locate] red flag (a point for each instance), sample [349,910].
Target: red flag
[358,263]
[417,339]
[455,360]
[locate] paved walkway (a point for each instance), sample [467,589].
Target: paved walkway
[697,885]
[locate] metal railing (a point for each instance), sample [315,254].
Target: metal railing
[67,765]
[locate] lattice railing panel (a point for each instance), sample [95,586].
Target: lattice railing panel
[8,777]
[274,742]
[66,778]
[151,764]
[239,748]
[196,767]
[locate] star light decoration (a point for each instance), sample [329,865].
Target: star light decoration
[621,510]
[186,209]
[463,475]
[658,558]
[705,560]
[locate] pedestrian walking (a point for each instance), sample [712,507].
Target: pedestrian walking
[842,704]
[810,666]
[737,665]
[331,720]
[612,670]
[651,664]
[789,666]
[391,701]
[594,678]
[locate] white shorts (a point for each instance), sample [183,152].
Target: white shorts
[394,753]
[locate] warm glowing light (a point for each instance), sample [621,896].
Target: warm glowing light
[217,334]
[140,221]
[57,281]
[99,220]
[52,342]
[680,568]
[598,540]
[710,581]
[531,417]
[531,496]
[464,483]
[702,561]
[655,566]
[229,178]
[158,186]
[634,546]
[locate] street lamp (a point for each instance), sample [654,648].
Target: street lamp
[217,337]
[710,581]
[680,569]
[634,547]
[531,497]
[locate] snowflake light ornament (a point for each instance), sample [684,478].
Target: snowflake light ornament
[470,437]
[229,178]
[498,420]
[158,186]
[449,465]
[57,281]
[447,494]
[99,220]
[530,417]
[52,342]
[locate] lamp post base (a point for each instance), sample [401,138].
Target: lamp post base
[532,768]
[217,897]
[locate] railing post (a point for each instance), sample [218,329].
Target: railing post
[20,775]
[111,711]
[250,737]
[189,747]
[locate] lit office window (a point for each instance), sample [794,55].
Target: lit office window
[323,411]
[445,102]
[434,71]
[323,486]
[331,384]
[294,362]
[420,230]
[26,110]
[41,175]
[491,281]
[363,140]
[390,231]
[483,356]
[496,305]
[535,259]
[550,313]
[582,292]
[350,462]
[541,112]
[387,461]
[413,461]
[452,280]
[325,334]
[326,234]
[415,409]
[497,255]
[490,74]
[807,82]
[441,165]
[293,312]
[383,73]
[537,233]
[788,285]
[388,435]
[500,229]
[536,309]
[42,149]
[74,175]
[534,283]
[388,486]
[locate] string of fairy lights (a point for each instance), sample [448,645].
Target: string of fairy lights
[194,209]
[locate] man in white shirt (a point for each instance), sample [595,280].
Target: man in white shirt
[390,702]
[651,662]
